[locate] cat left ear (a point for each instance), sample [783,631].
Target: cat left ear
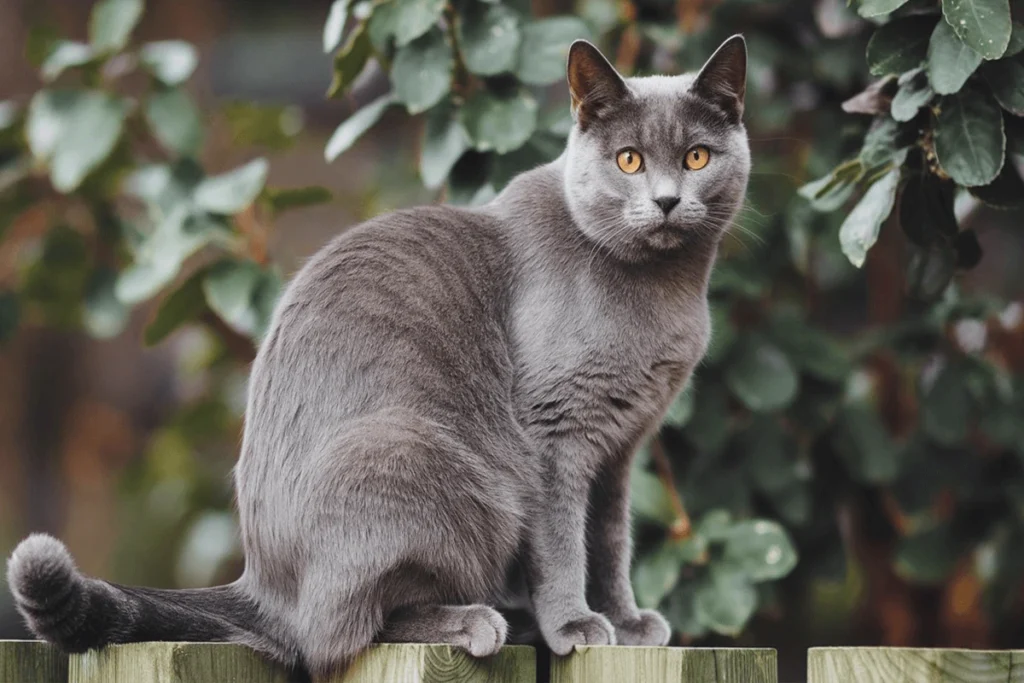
[594,84]
[723,80]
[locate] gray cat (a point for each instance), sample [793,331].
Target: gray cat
[442,416]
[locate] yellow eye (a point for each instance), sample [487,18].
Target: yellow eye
[630,161]
[697,158]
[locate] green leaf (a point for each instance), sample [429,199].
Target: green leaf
[648,498]
[883,144]
[413,18]
[104,316]
[230,288]
[1006,79]
[541,148]
[900,45]
[830,192]
[350,61]
[656,574]
[859,231]
[501,124]
[930,270]
[161,254]
[982,24]
[714,525]
[769,455]
[1005,192]
[489,38]
[681,611]
[969,137]
[10,312]
[65,55]
[877,8]
[170,61]
[444,141]
[112,22]
[422,71]
[183,305]
[681,409]
[351,128]
[335,24]
[950,61]
[926,209]
[382,25]
[231,192]
[545,48]
[929,556]
[283,199]
[946,407]
[175,121]
[913,94]
[75,131]
[865,445]
[762,376]
[812,349]
[759,549]
[968,250]
[725,601]
[1016,45]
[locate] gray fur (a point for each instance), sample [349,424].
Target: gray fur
[442,417]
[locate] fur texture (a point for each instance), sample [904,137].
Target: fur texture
[442,417]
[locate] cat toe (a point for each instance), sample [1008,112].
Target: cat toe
[648,628]
[588,629]
[485,631]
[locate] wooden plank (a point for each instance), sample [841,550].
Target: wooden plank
[665,665]
[440,664]
[173,663]
[908,665]
[220,662]
[32,661]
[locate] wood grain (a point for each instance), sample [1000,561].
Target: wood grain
[907,665]
[439,664]
[174,663]
[665,665]
[32,661]
[224,663]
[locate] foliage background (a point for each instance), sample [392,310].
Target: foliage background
[845,469]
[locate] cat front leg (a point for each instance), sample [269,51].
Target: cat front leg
[609,548]
[556,562]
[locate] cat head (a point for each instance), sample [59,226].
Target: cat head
[653,163]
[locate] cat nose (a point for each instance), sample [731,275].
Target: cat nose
[667,203]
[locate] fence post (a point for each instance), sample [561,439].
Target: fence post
[909,665]
[440,664]
[32,661]
[223,663]
[173,663]
[665,665]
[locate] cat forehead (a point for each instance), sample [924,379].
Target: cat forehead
[663,112]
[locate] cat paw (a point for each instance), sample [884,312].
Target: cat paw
[647,628]
[484,631]
[586,629]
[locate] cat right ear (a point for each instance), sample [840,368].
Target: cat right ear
[594,85]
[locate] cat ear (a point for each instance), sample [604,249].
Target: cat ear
[594,84]
[723,80]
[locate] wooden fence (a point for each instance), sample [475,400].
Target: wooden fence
[34,662]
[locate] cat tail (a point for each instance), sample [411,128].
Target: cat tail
[79,613]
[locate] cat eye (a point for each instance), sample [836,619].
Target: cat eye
[697,158]
[630,161]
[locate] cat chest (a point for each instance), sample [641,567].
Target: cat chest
[599,382]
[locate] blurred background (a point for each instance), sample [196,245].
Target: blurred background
[848,466]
